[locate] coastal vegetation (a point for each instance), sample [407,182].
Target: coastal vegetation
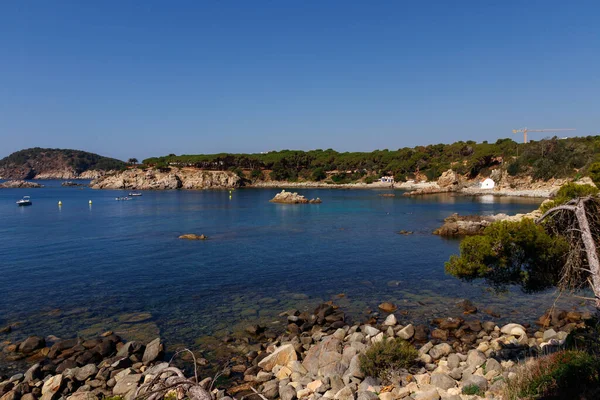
[558,249]
[543,160]
[385,357]
[566,374]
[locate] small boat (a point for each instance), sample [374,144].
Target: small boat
[25,201]
[123,198]
[135,194]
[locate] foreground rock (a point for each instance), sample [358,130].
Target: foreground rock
[20,184]
[168,178]
[317,357]
[293,198]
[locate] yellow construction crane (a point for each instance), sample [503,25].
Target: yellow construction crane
[525,130]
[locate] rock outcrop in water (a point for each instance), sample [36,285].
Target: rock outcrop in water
[171,178]
[193,236]
[38,163]
[20,184]
[293,198]
[463,225]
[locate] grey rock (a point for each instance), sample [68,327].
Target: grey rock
[126,384]
[83,373]
[440,350]
[324,359]
[456,373]
[453,361]
[368,395]
[549,334]
[345,394]
[287,393]
[130,348]
[476,380]
[371,331]
[271,389]
[154,351]
[492,365]
[428,395]
[407,332]
[475,358]
[442,381]
[16,377]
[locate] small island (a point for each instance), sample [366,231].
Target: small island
[20,184]
[293,198]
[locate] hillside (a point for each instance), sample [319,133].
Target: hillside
[539,160]
[38,163]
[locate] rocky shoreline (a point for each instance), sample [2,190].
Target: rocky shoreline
[170,178]
[318,356]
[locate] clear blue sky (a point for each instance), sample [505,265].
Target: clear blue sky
[144,78]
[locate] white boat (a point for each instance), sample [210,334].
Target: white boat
[135,194]
[25,201]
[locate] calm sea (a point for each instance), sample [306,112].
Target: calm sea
[83,269]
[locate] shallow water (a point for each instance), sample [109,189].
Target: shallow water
[83,269]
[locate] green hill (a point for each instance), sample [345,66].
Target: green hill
[54,163]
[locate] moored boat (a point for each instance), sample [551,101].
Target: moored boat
[25,201]
[135,194]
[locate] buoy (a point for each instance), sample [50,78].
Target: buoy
[59,203]
[90,202]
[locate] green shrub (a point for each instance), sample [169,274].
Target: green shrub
[562,375]
[257,174]
[369,179]
[521,253]
[384,357]
[472,390]
[319,174]
[568,192]
[594,172]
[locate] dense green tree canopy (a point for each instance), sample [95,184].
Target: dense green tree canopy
[545,159]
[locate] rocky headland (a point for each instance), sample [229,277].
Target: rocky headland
[170,178]
[18,184]
[293,198]
[317,357]
[38,163]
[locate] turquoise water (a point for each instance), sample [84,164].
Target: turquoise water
[81,269]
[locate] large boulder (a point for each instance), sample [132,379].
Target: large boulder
[325,358]
[281,356]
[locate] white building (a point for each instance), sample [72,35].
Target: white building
[387,179]
[487,184]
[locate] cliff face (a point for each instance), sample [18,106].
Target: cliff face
[176,178]
[38,163]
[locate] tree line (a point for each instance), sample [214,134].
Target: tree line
[544,159]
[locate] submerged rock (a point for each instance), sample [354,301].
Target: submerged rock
[193,236]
